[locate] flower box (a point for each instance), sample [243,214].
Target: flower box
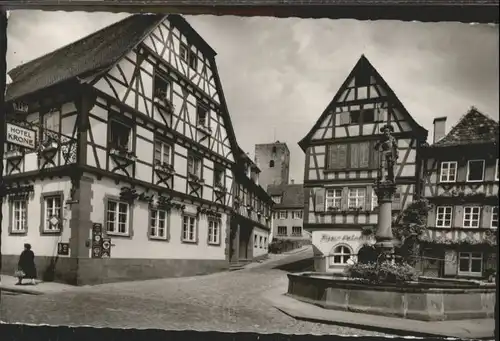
[204,129]
[13,154]
[164,167]
[123,153]
[193,178]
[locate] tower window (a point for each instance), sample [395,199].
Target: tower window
[271,163]
[274,149]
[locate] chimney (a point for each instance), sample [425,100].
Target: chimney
[439,128]
[292,181]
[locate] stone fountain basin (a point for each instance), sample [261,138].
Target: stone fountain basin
[428,299]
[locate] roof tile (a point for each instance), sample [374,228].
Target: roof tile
[473,128]
[292,195]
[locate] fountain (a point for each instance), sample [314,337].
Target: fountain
[419,298]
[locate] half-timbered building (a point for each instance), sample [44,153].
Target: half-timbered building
[121,147]
[341,165]
[460,172]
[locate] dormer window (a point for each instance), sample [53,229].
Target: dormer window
[276,199]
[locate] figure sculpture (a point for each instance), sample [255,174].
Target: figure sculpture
[388,149]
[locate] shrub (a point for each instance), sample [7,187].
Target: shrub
[385,272]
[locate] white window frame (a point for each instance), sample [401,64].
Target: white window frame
[333,198]
[445,174]
[19,223]
[54,211]
[354,193]
[478,213]
[155,221]
[214,231]
[342,254]
[468,171]
[374,200]
[282,214]
[122,208]
[296,214]
[443,214]
[494,213]
[496,171]
[163,146]
[189,229]
[462,255]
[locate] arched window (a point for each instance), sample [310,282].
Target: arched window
[271,163]
[340,255]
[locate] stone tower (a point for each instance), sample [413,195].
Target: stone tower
[273,159]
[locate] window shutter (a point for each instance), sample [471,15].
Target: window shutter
[364,154]
[342,156]
[332,156]
[319,200]
[375,155]
[354,155]
[344,203]
[450,262]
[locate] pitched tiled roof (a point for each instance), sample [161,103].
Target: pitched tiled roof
[473,128]
[95,52]
[292,196]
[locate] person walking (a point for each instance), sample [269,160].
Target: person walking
[26,266]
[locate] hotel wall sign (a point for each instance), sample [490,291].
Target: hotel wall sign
[354,237]
[20,136]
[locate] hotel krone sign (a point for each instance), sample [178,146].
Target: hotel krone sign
[20,136]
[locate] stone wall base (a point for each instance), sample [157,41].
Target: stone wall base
[88,271]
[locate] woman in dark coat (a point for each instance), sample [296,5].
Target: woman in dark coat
[27,265]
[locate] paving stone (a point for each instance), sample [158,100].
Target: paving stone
[229,301]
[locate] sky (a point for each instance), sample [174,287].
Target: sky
[278,75]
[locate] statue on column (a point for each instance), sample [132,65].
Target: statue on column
[387,146]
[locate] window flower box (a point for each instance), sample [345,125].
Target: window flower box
[193,178]
[164,167]
[13,154]
[123,153]
[48,145]
[204,129]
[220,187]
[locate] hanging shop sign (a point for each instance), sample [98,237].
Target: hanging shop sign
[63,249]
[20,136]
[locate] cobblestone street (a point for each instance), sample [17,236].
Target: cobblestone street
[229,301]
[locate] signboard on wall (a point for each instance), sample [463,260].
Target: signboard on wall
[63,249]
[325,238]
[20,136]
[106,248]
[96,240]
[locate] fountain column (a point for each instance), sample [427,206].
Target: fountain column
[385,188]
